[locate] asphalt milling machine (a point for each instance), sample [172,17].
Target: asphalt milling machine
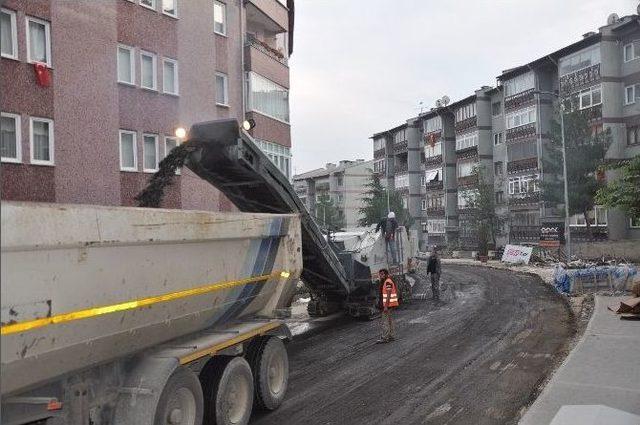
[340,270]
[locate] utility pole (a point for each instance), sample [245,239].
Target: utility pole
[567,230]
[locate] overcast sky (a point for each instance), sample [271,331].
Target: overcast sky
[363,66]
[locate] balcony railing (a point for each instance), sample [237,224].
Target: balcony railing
[598,233]
[466,153]
[401,168]
[439,211]
[266,49]
[436,185]
[577,80]
[524,131]
[524,198]
[379,153]
[522,165]
[466,124]
[400,146]
[430,160]
[519,100]
[467,180]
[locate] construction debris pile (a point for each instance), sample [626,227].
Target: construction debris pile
[616,278]
[629,309]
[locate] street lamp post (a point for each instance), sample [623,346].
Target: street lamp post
[567,231]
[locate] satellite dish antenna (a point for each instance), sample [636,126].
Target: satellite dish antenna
[445,100]
[613,18]
[438,103]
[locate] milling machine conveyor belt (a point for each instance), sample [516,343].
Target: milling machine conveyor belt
[229,159]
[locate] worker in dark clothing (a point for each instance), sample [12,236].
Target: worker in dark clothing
[388,226]
[387,302]
[434,268]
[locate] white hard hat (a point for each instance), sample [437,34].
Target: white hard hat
[391,215]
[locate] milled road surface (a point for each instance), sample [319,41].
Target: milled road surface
[478,357]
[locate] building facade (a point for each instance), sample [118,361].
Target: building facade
[342,183]
[93,92]
[505,130]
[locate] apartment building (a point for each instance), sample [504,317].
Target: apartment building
[505,130]
[93,92]
[343,183]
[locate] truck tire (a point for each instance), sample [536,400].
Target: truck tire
[270,366]
[181,400]
[227,384]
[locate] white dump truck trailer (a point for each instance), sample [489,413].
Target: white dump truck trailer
[117,315]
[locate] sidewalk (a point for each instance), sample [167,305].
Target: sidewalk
[603,368]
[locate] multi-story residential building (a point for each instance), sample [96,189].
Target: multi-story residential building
[343,183]
[506,131]
[94,91]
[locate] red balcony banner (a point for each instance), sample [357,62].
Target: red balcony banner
[43,75]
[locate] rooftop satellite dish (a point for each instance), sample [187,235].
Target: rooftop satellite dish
[438,103]
[613,18]
[445,100]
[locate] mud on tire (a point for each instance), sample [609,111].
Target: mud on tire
[270,366]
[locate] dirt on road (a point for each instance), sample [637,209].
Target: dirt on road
[478,357]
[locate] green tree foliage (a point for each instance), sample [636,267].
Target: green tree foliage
[585,156]
[481,203]
[624,192]
[375,204]
[327,214]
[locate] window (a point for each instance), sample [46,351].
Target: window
[629,95]
[149,4]
[431,151]
[170,7]
[435,226]
[400,136]
[466,198]
[150,153]
[148,70]
[340,181]
[169,76]
[497,168]
[267,98]
[499,197]
[633,135]
[379,166]
[128,151]
[580,60]
[596,217]
[466,141]
[466,112]
[219,18]
[222,89]
[8,34]
[631,51]
[278,154]
[496,108]
[423,181]
[465,168]
[522,150]
[126,65]
[378,144]
[590,97]
[401,180]
[38,41]
[41,141]
[523,184]
[424,226]
[433,175]
[520,118]
[519,84]
[169,144]
[10,139]
[435,200]
[432,125]
[634,222]
[423,204]
[497,139]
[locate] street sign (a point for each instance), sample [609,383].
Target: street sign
[517,254]
[551,235]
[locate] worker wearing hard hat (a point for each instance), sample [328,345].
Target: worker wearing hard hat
[389,225]
[387,302]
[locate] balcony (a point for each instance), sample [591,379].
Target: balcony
[524,234]
[264,47]
[269,13]
[524,198]
[522,132]
[433,160]
[467,180]
[435,185]
[598,233]
[435,211]
[379,153]
[466,124]
[519,100]
[401,168]
[400,147]
[580,79]
[519,165]
[467,153]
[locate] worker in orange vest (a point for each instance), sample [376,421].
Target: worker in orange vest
[388,301]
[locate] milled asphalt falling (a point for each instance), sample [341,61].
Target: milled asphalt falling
[478,357]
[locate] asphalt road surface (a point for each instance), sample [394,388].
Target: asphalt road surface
[478,357]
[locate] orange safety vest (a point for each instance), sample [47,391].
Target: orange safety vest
[387,286]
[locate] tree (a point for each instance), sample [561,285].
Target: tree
[624,192]
[327,214]
[481,210]
[585,153]
[375,204]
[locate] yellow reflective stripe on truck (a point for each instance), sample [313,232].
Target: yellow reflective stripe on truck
[129,305]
